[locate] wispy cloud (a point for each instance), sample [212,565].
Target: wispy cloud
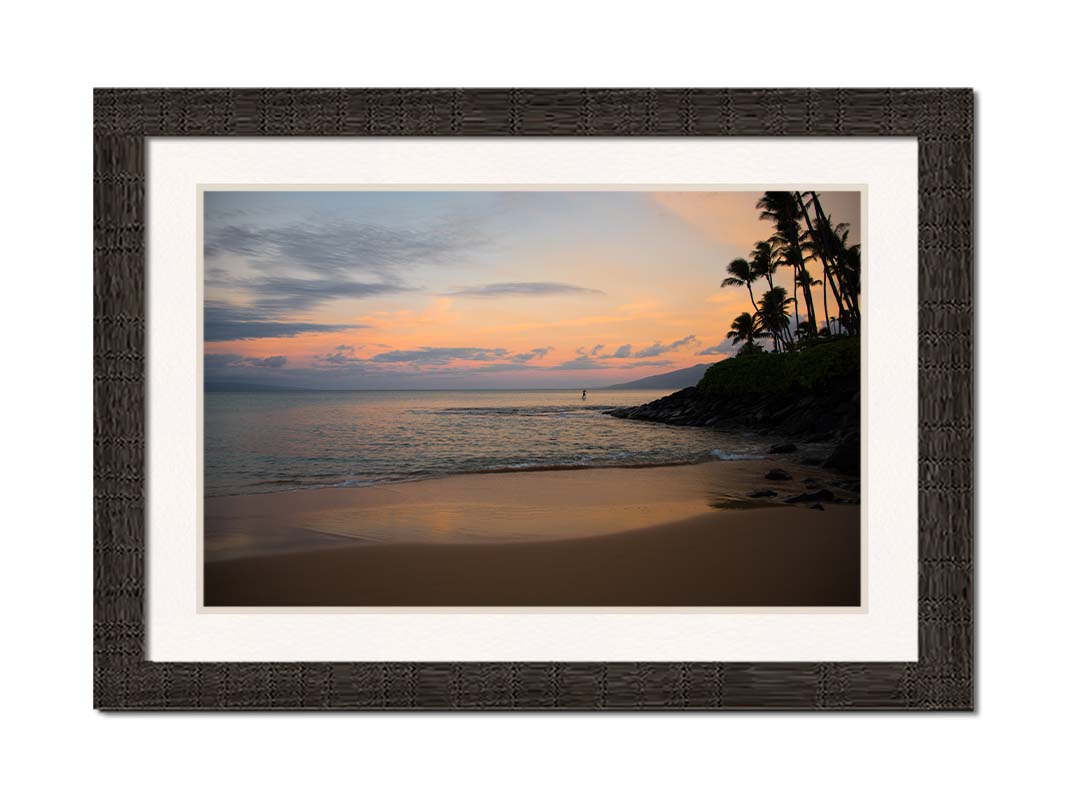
[725,347]
[659,348]
[656,349]
[439,355]
[536,353]
[584,362]
[443,360]
[226,322]
[341,245]
[525,288]
[214,361]
[289,293]
[299,266]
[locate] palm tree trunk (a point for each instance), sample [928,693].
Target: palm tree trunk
[825,310]
[833,288]
[772,331]
[796,305]
[751,297]
[808,302]
[847,290]
[822,257]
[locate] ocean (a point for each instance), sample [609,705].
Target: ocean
[256,442]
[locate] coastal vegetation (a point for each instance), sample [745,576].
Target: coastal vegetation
[809,368]
[804,235]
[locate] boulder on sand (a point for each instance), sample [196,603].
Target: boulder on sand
[846,456]
[778,475]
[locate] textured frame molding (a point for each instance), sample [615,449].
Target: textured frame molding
[943,122]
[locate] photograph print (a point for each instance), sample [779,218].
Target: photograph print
[488,397]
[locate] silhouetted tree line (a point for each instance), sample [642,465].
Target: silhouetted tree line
[803,235]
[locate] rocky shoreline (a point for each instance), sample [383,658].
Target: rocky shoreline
[830,414]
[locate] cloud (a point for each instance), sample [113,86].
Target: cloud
[274,362]
[582,362]
[337,357]
[225,322]
[439,355]
[285,294]
[298,266]
[596,350]
[585,362]
[215,361]
[537,352]
[495,358]
[338,245]
[527,289]
[659,349]
[725,347]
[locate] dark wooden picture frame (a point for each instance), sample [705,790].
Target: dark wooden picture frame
[941,120]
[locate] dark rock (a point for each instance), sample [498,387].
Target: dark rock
[811,462]
[817,507]
[778,475]
[812,497]
[846,456]
[764,493]
[812,483]
[823,415]
[783,448]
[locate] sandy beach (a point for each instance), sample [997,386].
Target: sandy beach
[661,536]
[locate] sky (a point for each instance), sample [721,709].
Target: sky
[474,289]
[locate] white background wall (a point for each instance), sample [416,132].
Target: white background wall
[51,59]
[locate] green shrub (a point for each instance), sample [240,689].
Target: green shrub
[809,368]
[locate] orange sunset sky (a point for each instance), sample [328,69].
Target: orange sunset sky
[474,289]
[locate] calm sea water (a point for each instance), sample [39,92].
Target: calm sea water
[279,441]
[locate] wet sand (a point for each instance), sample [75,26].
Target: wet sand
[662,536]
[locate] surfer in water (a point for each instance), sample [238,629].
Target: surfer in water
[583,394]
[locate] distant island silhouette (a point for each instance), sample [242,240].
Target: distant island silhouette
[676,379]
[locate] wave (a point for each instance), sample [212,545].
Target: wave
[617,461]
[514,411]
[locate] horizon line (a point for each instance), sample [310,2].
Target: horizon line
[274,387]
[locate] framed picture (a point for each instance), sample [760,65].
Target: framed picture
[533,399]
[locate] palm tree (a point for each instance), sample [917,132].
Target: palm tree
[744,329]
[816,241]
[773,316]
[783,210]
[810,326]
[764,261]
[851,261]
[739,273]
[834,240]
